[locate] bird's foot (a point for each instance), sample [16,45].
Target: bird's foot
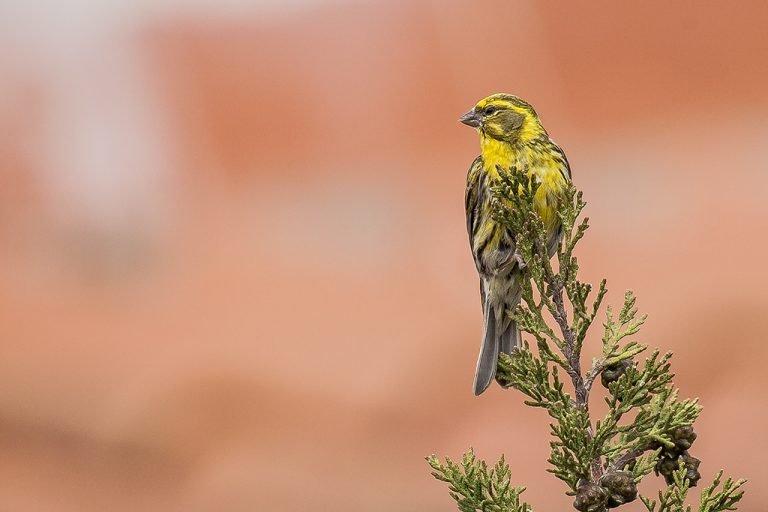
[518,258]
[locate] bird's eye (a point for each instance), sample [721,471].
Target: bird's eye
[490,110]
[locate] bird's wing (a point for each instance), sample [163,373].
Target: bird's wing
[475,206]
[565,170]
[472,210]
[472,197]
[489,258]
[565,167]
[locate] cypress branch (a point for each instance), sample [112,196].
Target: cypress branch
[599,460]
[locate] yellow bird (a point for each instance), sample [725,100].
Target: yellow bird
[512,137]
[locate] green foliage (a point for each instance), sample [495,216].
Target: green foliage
[659,411]
[476,487]
[534,378]
[556,310]
[726,498]
[572,451]
[673,497]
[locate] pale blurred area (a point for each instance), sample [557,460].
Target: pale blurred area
[234,273]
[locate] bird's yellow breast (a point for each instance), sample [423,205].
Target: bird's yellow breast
[537,161]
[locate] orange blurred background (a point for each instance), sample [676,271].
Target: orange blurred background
[234,273]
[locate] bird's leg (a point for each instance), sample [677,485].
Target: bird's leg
[518,258]
[509,263]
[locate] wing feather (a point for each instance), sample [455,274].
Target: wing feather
[472,197]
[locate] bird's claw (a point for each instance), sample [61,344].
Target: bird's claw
[515,259]
[519,259]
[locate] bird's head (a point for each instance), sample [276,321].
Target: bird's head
[505,118]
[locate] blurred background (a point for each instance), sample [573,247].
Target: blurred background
[234,273]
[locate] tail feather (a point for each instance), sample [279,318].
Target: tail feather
[493,343]
[511,338]
[489,352]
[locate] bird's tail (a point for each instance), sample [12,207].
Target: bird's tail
[500,334]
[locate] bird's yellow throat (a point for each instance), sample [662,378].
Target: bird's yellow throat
[495,152]
[504,153]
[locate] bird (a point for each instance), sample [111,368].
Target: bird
[511,137]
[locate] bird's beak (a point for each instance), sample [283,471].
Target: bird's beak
[471,118]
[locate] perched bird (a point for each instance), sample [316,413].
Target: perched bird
[511,137]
